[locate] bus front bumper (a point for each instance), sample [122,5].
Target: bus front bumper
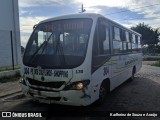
[66,97]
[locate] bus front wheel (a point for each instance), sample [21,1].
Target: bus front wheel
[103,92]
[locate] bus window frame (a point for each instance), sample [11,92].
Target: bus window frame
[120,41]
[99,59]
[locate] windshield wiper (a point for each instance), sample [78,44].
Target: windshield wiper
[43,44]
[60,52]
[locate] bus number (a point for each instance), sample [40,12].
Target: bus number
[106,71]
[79,71]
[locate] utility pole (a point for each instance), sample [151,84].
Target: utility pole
[83,10]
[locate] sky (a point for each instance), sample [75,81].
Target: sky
[126,12]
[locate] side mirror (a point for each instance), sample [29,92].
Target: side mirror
[34,26]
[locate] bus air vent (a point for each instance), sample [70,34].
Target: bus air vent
[46,84]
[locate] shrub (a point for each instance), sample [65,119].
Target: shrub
[157,64]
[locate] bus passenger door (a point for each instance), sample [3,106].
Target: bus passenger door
[117,57]
[100,55]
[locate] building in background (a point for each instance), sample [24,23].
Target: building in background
[10,54]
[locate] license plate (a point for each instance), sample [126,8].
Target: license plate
[44,101]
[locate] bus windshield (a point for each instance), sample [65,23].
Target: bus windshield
[58,44]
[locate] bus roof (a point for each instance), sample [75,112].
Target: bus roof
[79,15]
[86,15]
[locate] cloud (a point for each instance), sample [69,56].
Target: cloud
[131,5]
[24,38]
[137,6]
[135,11]
[34,3]
[26,26]
[149,8]
[154,23]
[22,12]
[27,23]
[109,3]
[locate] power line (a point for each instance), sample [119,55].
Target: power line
[141,18]
[131,9]
[157,24]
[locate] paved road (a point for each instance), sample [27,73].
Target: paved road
[142,94]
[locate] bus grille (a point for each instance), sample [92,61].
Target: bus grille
[46,84]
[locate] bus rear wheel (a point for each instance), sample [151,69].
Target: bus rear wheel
[133,73]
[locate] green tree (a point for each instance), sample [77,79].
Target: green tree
[150,36]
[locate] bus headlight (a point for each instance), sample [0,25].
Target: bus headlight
[22,80]
[77,85]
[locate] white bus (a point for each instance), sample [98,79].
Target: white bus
[78,59]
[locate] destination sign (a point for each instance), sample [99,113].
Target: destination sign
[64,26]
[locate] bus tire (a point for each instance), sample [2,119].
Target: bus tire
[133,73]
[103,92]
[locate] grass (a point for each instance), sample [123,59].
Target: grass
[157,64]
[151,59]
[10,79]
[9,68]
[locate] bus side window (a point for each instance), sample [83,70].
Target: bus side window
[134,45]
[101,47]
[102,37]
[130,43]
[139,44]
[124,42]
[106,42]
[101,41]
[117,40]
[95,43]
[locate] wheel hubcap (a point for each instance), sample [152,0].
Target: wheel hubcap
[132,75]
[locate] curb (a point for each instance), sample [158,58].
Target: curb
[9,73]
[3,96]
